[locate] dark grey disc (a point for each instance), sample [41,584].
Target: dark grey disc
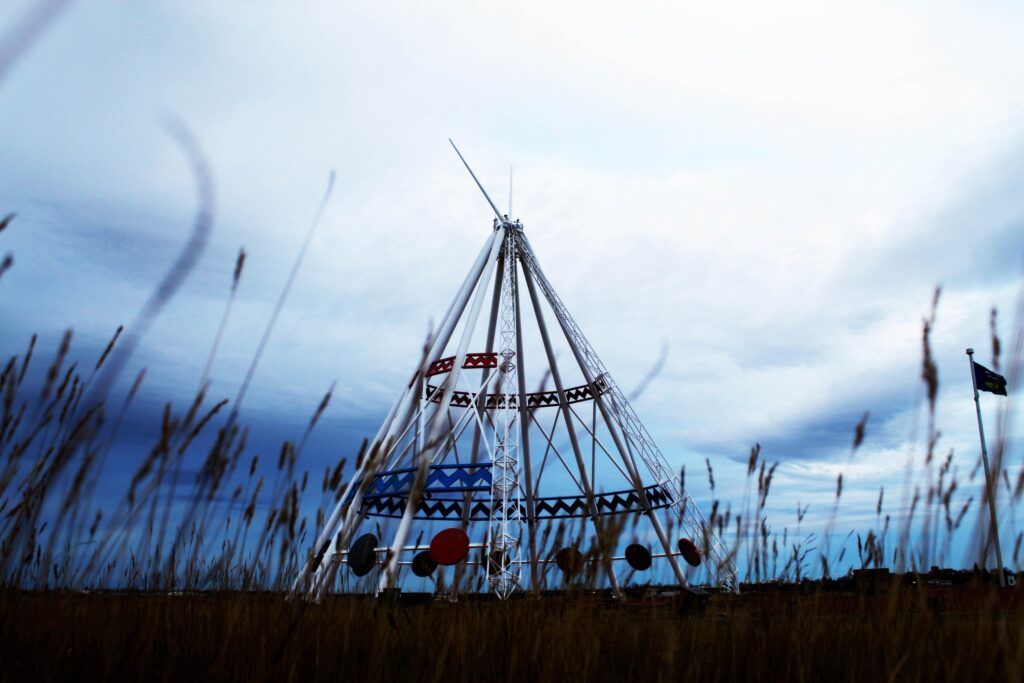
[569,560]
[423,564]
[361,556]
[638,557]
[689,552]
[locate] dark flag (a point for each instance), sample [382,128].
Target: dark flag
[989,381]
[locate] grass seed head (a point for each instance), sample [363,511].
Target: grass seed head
[110,347]
[239,265]
[995,340]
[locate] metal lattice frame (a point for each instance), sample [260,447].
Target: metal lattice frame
[504,565]
[420,427]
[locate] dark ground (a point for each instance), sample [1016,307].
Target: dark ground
[906,633]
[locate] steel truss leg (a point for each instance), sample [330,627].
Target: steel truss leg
[524,440]
[337,531]
[388,574]
[481,408]
[623,451]
[567,418]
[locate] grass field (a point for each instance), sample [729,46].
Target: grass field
[927,634]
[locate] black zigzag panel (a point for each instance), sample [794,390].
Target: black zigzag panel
[538,399]
[554,507]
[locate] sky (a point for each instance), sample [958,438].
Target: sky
[769,193]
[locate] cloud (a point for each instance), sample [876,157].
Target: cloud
[773,192]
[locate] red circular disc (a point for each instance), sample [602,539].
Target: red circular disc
[450,546]
[689,552]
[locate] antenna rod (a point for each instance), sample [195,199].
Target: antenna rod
[497,213]
[509,190]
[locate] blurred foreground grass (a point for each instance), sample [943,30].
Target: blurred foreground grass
[913,634]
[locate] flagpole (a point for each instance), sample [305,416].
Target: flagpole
[988,475]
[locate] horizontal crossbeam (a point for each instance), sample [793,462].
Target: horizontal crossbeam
[537,399]
[473,360]
[553,507]
[440,479]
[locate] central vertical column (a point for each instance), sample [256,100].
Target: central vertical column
[503,562]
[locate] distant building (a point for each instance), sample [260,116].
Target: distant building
[870,580]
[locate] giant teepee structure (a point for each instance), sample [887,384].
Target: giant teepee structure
[508,407]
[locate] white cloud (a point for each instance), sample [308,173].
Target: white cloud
[773,190]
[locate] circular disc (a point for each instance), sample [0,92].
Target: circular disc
[361,556]
[689,552]
[423,564]
[639,557]
[450,546]
[569,560]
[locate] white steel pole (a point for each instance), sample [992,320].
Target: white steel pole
[557,379]
[624,452]
[404,405]
[481,399]
[990,489]
[444,333]
[434,427]
[689,515]
[480,408]
[627,458]
[524,439]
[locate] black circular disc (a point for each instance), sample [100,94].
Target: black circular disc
[423,564]
[689,552]
[639,557]
[569,560]
[361,556]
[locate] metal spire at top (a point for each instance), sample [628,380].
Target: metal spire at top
[501,219]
